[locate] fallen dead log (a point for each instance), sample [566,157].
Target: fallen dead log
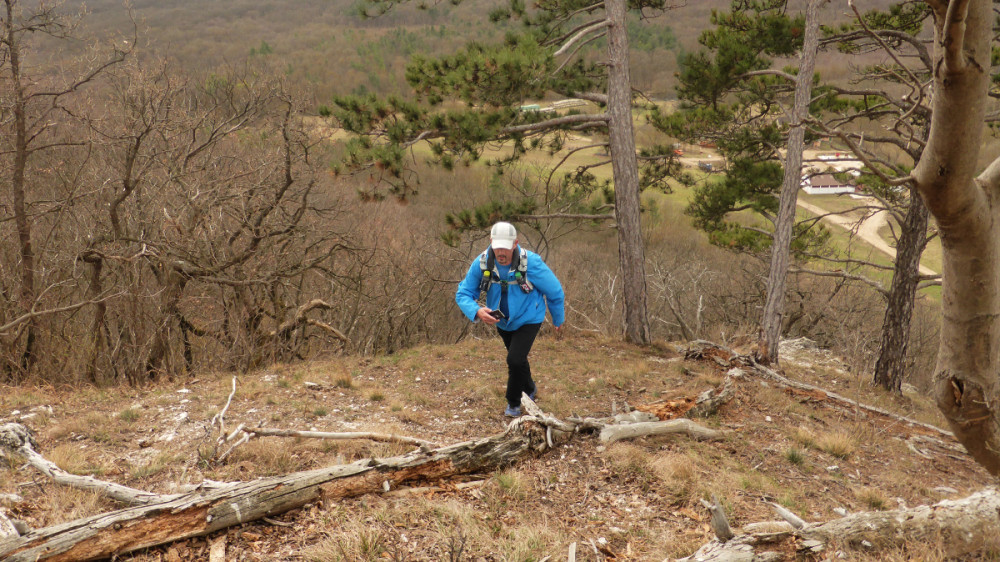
[7,528]
[703,350]
[18,439]
[709,402]
[833,396]
[381,437]
[962,524]
[204,511]
[157,519]
[242,434]
[958,526]
[612,433]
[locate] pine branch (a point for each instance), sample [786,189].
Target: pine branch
[583,33]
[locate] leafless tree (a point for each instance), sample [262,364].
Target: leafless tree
[34,102]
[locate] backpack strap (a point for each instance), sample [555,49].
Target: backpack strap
[521,275]
[487,265]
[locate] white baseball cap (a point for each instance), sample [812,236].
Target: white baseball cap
[502,236]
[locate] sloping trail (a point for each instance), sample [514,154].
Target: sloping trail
[867,230]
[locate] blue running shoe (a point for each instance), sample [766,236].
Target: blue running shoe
[533,395]
[512,412]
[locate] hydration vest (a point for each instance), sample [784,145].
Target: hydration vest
[519,263]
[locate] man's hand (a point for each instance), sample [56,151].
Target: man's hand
[484,315]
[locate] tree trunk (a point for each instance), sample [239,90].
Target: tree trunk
[22,223]
[965,207]
[626,173]
[781,245]
[889,368]
[172,282]
[96,263]
[204,511]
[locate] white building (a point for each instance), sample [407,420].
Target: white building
[825,184]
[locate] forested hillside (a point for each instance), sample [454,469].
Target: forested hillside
[130,263]
[226,223]
[330,48]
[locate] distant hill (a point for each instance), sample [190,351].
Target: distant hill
[327,46]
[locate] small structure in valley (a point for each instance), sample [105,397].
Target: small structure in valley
[826,184]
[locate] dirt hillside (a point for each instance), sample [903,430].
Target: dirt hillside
[632,500]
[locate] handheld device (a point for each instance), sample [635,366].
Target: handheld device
[498,314]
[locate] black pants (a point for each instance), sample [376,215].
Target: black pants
[518,344]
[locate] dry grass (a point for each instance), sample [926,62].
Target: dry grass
[129,415]
[265,456]
[68,504]
[361,544]
[680,477]
[344,381]
[162,462]
[838,443]
[640,495]
[72,459]
[804,436]
[452,531]
[872,499]
[795,456]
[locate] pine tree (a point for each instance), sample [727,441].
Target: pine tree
[552,53]
[734,96]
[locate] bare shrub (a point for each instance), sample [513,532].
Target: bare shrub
[204,234]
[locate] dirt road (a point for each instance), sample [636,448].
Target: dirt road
[867,230]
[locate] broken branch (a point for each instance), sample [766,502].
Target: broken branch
[384,437]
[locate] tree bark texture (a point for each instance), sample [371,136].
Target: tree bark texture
[683,426]
[626,173]
[26,255]
[958,526]
[204,511]
[96,263]
[967,374]
[774,305]
[891,363]
[172,282]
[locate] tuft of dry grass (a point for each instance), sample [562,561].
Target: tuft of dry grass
[795,456]
[129,415]
[265,457]
[351,544]
[872,498]
[512,484]
[162,462]
[68,504]
[838,443]
[628,457]
[344,381]
[70,458]
[680,475]
[804,437]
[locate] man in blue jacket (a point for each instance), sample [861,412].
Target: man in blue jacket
[518,288]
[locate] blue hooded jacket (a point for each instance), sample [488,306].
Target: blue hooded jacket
[524,308]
